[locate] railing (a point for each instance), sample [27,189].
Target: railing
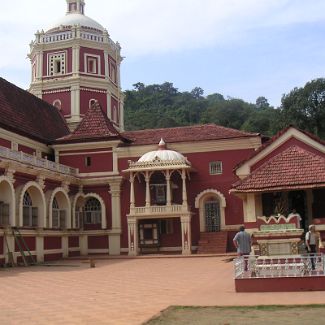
[35,161]
[57,37]
[92,37]
[274,267]
[159,209]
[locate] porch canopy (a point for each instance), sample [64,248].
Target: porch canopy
[293,169]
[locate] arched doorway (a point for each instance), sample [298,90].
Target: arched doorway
[212,215]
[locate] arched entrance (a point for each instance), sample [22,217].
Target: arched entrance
[212,215]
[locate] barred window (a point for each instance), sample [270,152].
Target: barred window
[30,213]
[215,167]
[92,212]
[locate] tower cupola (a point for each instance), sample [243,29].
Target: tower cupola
[76,6]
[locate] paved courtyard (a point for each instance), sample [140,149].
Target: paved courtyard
[124,291]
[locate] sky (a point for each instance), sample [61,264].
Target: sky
[239,48]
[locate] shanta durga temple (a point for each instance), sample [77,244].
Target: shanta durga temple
[74,182]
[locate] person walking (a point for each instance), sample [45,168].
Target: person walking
[242,242]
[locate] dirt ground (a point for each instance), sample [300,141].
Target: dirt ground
[307,315]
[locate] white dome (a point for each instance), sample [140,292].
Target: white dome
[162,155]
[71,19]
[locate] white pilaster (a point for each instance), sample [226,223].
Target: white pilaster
[132,198]
[115,191]
[121,124]
[83,242]
[169,197]
[75,102]
[250,208]
[147,179]
[184,191]
[75,59]
[186,235]
[40,248]
[114,241]
[10,248]
[109,105]
[65,246]
[133,236]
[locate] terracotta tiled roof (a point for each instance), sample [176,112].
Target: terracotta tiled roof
[95,126]
[293,168]
[185,134]
[274,138]
[25,114]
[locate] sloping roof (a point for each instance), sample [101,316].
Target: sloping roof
[25,114]
[293,168]
[274,138]
[95,126]
[185,134]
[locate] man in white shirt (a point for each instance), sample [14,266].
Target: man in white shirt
[312,243]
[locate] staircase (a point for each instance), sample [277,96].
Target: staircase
[212,243]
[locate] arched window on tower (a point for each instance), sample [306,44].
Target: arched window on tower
[57,104]
[30,213]
[92,102]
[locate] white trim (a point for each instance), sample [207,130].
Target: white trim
[41,221]
[244,170]
[85,153]
[220,196]
[12,206]
[99,198]
[98,68]
[68,210]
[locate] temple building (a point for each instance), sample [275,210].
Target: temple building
[74,182]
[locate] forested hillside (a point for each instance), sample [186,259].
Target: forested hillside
[160,106]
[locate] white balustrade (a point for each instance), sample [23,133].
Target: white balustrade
[35,161]
[252,266]
[158,209]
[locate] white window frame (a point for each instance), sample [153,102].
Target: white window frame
[97,63]
[215,168]
[52,59]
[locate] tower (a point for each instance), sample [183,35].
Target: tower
[74,62]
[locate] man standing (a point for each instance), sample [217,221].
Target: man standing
[312,242]
[242,242]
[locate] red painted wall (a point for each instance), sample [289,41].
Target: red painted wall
[1,245]
[97,242]
[86,96]
[25,149]
[5,143]
[100,162]
[73,241]
[30,242]
[64,97]
[290,142]
[52,243]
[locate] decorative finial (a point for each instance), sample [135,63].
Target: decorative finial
[76,7]
[162,144]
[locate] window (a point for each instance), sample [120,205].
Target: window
[58,216]
[160,191]
[30,213]
[93,212]
[215,167]
[57,104]
[166,226]
[92,102]
[57,63]
[91,65]
[4,214]
[87,161]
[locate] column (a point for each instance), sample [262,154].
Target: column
[10,248]
[40,249]
[250,208]
[65,246]
[121,124]
[132,205]
[109,105]
[114,236]
[184,192]
[83,243]
[75,102]
[309,203]
[106,72]
[147,178]
[133,236]
[169,199]
[75,59]
[186,235]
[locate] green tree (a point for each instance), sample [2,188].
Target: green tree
[305,107]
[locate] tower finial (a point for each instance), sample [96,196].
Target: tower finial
[76,7]
[162,144]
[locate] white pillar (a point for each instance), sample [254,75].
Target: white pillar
[75,59]
[121,124]
[109,104]
[309,203]
[132,203]
[184,192]
[250,208]
[133,236]
[65,246]
[169,197]
[40,249]
[186,235]
[10,248]
[147,178]
[106,72]
[83,243]
[75,102]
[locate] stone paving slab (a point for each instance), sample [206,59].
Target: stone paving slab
[124,291]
